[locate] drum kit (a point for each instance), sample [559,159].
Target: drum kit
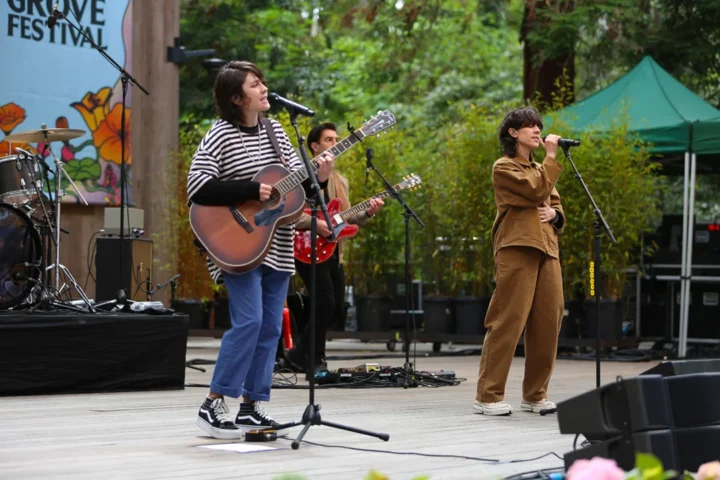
[30,226]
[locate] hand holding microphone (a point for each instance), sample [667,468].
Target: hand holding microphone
[564,143]
[550,143]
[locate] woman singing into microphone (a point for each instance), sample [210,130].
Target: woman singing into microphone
[528,293]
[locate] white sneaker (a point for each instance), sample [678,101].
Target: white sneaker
[542,407]
[495,408]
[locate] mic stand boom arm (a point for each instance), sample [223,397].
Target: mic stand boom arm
[126,80]
[408,212]
[311,416]
[598,223]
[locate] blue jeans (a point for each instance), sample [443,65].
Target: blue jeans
[246,360]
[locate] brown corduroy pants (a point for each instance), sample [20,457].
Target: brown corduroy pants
[528,295]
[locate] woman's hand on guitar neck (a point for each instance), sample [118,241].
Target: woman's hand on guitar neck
[322,229]
[265,192]
[326,162]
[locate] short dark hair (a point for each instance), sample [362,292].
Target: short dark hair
[228,83]
[316,132]
[517,119]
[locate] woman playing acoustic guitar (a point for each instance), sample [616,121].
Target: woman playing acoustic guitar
[235,148]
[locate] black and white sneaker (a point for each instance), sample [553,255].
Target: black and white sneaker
[252,416]
[215,420]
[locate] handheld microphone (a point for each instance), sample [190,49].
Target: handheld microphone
[290,105]
[565,142]
[53,18]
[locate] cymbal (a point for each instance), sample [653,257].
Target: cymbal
[53,135]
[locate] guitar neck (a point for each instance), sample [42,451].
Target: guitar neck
[298,176]
[361,207]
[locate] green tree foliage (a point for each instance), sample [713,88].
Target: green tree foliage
[419,57]
[609,37]
[448,70]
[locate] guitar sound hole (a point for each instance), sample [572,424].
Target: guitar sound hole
[274,200]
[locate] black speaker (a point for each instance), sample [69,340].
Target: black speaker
[606,412]
[676,418]
[684,367]
[135,269]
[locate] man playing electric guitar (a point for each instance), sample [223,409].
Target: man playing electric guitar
[330,276]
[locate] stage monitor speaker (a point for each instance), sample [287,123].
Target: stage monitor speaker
[603,412]
[136,267]
[684,367]
[649,414]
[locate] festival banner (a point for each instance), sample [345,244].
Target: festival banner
[51,75]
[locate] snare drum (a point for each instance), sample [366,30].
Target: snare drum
[20,256]
[16,182]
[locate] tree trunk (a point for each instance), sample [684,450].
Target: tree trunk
[548,76]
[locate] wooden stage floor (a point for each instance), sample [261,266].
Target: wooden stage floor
[152,435]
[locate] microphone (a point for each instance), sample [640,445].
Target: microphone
[53,18]
[368,154]
[290,105]
[565,142]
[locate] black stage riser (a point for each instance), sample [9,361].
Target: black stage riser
[80,353]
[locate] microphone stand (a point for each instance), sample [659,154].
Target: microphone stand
[594,266]
[408,212]
[311,415]
[126,80]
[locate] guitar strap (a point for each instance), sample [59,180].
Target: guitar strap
[273,139]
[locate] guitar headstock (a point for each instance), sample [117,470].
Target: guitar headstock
[410,182]
[382,121]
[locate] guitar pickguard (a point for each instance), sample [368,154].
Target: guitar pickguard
[267,217]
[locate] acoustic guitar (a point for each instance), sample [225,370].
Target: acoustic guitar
[237,238]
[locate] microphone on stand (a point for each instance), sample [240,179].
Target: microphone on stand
[290,105]
[53,18]
[565,142]
[368,155]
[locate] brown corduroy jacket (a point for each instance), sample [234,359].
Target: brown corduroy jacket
[338,187]
[520,187]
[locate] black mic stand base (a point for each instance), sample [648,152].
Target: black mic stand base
[311,416]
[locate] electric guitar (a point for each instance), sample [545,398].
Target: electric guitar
[325,249]
[237,238]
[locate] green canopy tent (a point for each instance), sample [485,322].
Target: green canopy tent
[676,122]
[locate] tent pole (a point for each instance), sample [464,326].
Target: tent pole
[683,265]
[688,256]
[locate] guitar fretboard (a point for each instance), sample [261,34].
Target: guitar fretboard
[298,176]
[361,207]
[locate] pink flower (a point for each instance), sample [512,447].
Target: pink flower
[595,469]
[66,153]
[709,471]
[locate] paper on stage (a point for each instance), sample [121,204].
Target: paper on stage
[239,447]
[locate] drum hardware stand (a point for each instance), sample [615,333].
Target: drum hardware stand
[59,172]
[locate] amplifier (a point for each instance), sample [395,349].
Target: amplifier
[136,267]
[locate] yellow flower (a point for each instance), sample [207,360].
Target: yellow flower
[94,107]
